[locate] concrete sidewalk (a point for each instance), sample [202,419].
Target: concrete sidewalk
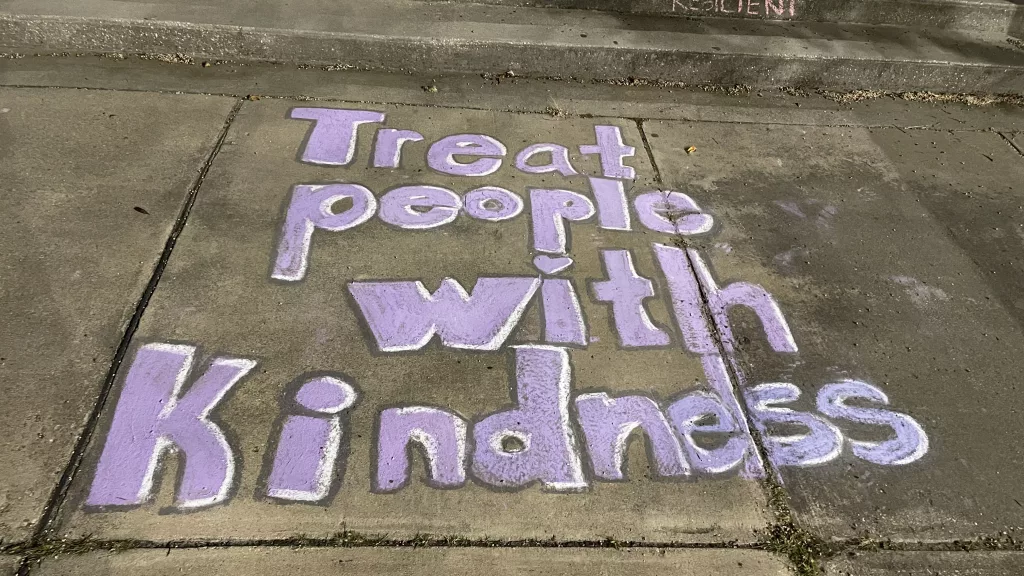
[261,318]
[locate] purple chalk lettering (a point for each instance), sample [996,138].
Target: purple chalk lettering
[607,424]
[704,413]
[311,208]
[820,444]
[548,451]
[419,207]
[611,150]
[442,436]
[308,447]
[626,291]
[722,385]
[909,444]
[686,299]
[403,315]
[754,297]
[671,213]
[559,160]
[326,395]
[332,140]
[563,318]
[153,417]
[388,151]
[441,156]
[612,210]
[549,211]
[492,204]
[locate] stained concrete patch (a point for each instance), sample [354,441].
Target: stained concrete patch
[218,294]
[887,311]
[928,564]
[447,561]
[973,184]
[92,183]
[9,565]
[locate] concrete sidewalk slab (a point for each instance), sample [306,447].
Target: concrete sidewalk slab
[425,561]
[977,563]
[9,565]
[972,185]
[92,183]
[228,291]
[882,301]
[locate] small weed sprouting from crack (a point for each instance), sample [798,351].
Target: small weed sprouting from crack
[804,550]
[555,111]
[1003,541]
[70,546]
[851,96]
[177,58]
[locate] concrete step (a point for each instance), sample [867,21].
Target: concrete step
[997,16]
[421,37]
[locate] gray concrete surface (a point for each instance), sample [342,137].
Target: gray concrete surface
[1016,139]
[403,561]
[928,564]
[907,111]
[294,328]
[892,262]
[9,565]
[75,255]
[1000,16]
[412,36]
[871,242]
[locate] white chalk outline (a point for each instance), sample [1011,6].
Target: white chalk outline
[164,443]
[324,470]
[515,198]
[769,406]
[574,301]
[626,429]
[533,149]
[557,218]
[578,481]
[493,344]
[448,219]
[307,235]
[352,141]
[400,140]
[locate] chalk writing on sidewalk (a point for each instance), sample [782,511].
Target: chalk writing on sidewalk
[747,8]
[557,432]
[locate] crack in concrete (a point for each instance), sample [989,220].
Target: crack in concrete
[1011,143]
[59,494]
[783,536]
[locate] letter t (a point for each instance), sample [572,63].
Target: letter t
[332,140]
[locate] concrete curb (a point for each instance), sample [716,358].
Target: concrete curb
[837,64]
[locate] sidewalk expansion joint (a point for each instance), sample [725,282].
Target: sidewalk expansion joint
[1011,143]
[50,512]
[45,548]
[783,535]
